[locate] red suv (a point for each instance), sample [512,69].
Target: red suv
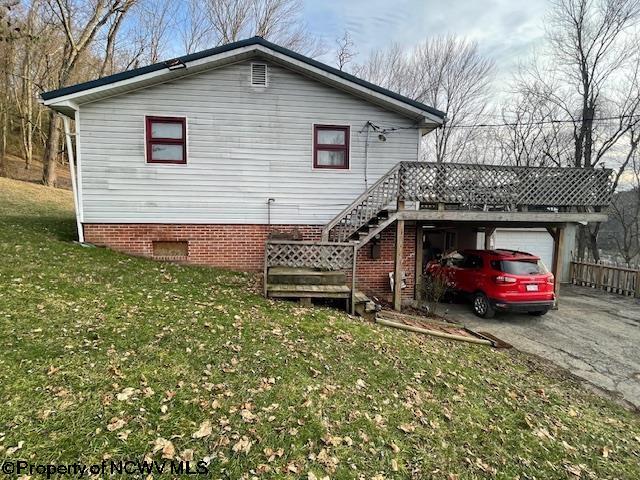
[505,280]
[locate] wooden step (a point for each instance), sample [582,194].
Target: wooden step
[304,276]
[364,306]
[308,291]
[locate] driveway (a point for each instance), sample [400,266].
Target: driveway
[594,335]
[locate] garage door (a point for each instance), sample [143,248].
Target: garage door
[535,241]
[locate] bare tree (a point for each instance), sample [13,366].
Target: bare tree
[531,136]
[196,32]
[277,20]
[624,214]
[108,65]
[447,73]
[590,49]
[9,31]
[345,50]
[80,23]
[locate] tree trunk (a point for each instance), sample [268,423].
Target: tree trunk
[581,245]
[3,142]
[51,151]
[593,241]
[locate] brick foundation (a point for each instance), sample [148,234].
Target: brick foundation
[373,275]
[241,247]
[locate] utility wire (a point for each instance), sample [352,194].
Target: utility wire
[543,122]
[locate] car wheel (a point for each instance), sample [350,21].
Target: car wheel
[539,313]
[482,306]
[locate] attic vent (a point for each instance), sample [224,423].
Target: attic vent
[258,75]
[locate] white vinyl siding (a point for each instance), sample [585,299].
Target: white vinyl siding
[245,145]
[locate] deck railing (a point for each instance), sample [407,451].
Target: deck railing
[476,187]
[607,277]
[496,186]
[381,194]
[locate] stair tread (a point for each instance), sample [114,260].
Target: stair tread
[308,288]
[361,297]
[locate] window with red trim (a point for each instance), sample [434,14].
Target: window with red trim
[331,146]
[166,139]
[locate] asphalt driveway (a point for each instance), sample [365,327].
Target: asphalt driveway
[594,335]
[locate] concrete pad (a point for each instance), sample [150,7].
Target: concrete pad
[593,334]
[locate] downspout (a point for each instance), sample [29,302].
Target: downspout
[269,202]
[72,170]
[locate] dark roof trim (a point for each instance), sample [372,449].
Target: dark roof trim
[225,48]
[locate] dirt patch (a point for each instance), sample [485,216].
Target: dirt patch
[15,169]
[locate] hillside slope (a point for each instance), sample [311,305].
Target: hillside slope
[108,357]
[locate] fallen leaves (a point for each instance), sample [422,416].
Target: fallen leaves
[126,394]
[204,430]
[247,416]
[11,450]
[115,424]
[407,427]
[187,455]
[166,446]
[242,446]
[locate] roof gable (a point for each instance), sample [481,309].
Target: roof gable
[66,99]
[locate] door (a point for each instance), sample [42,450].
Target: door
[531,240]
[470,274]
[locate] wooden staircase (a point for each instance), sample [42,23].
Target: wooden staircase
[306,283]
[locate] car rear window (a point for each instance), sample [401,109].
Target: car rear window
[519,267]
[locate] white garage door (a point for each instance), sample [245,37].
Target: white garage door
[535,241]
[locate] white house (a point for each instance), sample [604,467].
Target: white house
[202,158]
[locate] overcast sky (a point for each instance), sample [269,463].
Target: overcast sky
[506,30]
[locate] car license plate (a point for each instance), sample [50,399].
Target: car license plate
[532,287]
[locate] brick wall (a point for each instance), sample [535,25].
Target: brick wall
[241,247]
[373,275]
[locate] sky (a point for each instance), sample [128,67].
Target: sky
[506,30]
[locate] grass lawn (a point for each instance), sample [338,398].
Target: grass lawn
[104,356]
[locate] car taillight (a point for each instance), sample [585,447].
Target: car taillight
[550,279]
[505,279]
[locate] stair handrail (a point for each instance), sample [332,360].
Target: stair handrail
[353,206]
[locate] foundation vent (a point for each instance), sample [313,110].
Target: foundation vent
[167,250]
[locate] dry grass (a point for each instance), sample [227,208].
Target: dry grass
[14,166]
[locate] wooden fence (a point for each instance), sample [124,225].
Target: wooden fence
[607,277]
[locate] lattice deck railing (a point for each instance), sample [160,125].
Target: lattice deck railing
[332,256]
[309,254]
[500,186]
[483,187]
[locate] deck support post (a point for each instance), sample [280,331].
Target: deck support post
[488,233]
[397,264]
[419,260]
[353,280]
[558,245]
